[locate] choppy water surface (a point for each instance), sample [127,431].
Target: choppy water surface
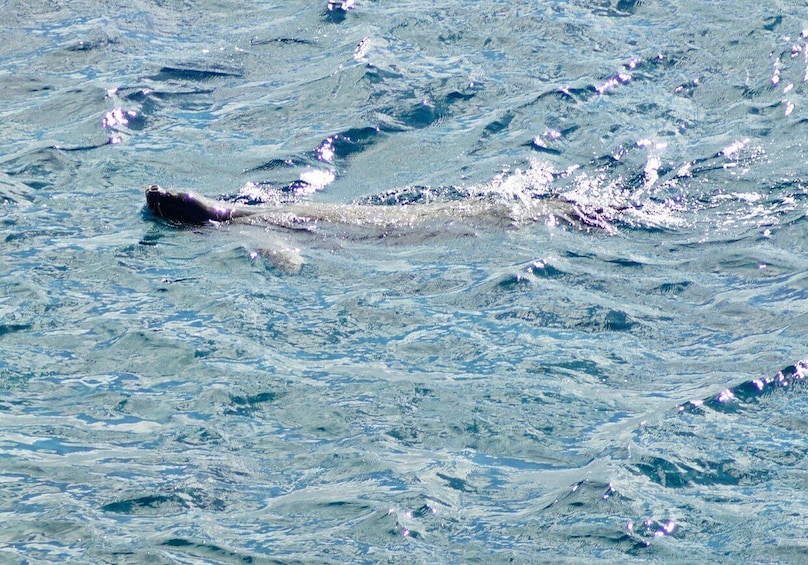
[456,391]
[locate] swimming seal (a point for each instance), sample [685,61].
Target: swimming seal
[355,221]
[186,207]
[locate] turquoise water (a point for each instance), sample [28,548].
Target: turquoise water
[514,389]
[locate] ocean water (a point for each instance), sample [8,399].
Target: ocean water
[625,387]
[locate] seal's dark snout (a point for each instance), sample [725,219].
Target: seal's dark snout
[152,197]
[160,202]
[180,207]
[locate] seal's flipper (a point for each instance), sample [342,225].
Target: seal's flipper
[274,249]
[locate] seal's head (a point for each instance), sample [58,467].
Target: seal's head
[183,207]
